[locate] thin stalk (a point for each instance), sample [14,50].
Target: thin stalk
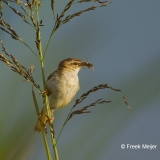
[60,132]
[46,145]
[43,135]
[35,87]
[64,124]
[48,42]
[29,48]
[54,143]
[43,77]
[51,129]
[47,46]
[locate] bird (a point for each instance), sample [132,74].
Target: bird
[61,87]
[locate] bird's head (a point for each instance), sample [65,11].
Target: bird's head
[72,64]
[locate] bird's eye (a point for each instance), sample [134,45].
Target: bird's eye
[75,63]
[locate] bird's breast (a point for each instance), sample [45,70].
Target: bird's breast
[63,88]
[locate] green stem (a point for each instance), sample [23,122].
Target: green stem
[60,132]
[46,146]
[53,31]
[29,47]
[54,143]
[51,130]
[64,124]
[47,45]
[44,84]
[43,135]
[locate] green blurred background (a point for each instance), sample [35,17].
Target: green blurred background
[122,41]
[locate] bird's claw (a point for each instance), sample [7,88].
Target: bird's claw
[49,119]
[44,93]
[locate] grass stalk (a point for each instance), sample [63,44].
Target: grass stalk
[53,31]
[43,134]
[64,125]
[44,83]
[29,48]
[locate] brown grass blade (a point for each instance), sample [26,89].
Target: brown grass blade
[11,32]
[67,7]
[18,68]
[52,5]
[96,88]
[35,102]
[69,17]
[14,10]
[1,6]
[59,18]
[126,102]
[84,109]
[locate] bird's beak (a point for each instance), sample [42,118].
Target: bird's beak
[89,65]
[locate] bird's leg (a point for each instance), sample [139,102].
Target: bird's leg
[40,123]
[50,119]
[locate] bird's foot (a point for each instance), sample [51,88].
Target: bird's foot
[44,93]
[49,119]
